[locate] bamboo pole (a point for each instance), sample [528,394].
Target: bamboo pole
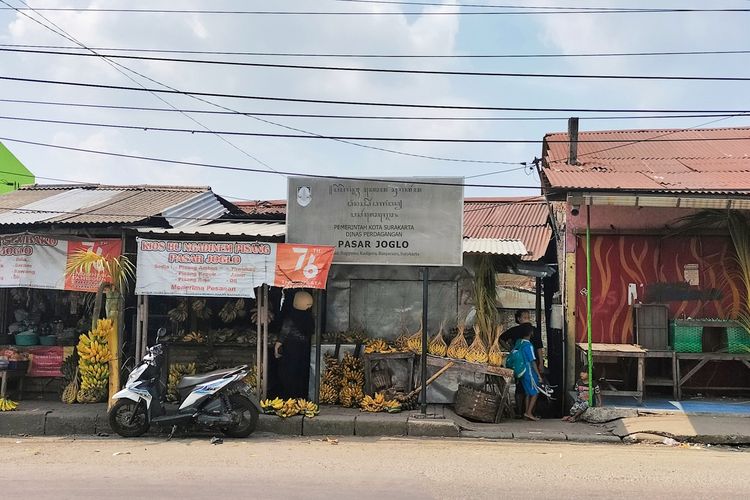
[588,304]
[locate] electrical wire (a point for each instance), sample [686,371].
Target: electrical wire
[359,117]
[122,70]
[700,78]
[191,93]
[254,170]
[235,12]
[147,128]
[387,56]
[121,67]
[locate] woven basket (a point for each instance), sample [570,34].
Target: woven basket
[475,404]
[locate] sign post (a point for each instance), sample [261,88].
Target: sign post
[384,222]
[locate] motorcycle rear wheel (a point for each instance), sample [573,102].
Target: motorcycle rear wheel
[249,417]
[128,418]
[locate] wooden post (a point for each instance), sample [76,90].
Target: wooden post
[573,139]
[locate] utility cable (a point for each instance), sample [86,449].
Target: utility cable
[236,12]
[120,68]
[371,103]
[148,128]
[359,117]
[386,56]
[699,78]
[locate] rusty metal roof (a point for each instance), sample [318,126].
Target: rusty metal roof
[523,219]
[696,161]
[72,204]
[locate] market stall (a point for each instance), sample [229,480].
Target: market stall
[214,298]
[44,304]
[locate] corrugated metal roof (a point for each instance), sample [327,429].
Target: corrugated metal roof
[58,205]
[510,219]
[121,205]
[227,228]
[494,246]
[699,160]
[503,218]
[263,207]
[200,208]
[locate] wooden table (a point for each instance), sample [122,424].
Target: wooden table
[703,358]
[618,351]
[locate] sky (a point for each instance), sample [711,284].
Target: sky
[445,34]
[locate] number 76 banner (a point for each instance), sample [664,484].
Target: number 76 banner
[227,268]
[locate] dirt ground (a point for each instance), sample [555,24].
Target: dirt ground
[270,467]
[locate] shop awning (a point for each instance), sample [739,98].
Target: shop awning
[225,228]
[492,246]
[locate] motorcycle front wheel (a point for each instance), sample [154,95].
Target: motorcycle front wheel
[128,418]
[248,417]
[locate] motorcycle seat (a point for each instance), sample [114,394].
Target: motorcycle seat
[192,380]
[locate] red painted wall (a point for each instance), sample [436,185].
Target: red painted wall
[617,260]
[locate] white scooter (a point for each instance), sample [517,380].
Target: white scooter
[216,400]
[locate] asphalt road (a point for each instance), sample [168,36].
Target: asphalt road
[268,467]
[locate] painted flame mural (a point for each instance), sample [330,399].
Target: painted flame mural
[657,266]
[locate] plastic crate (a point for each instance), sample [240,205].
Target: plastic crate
[738,340]
[687,338]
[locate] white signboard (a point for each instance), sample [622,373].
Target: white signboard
[414,221]
[227,268]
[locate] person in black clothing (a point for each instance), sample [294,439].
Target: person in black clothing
[292,350]
[511,335]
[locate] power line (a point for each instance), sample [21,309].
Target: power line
[191,93]
[119,67]
[147,128]
[599,10]
[358,117]
[701,78]
[254,170]
[122,70]
[389,56]
[290,173]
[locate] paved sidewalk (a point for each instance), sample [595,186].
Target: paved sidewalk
[51,418]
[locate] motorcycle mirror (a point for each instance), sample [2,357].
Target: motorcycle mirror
[160,333]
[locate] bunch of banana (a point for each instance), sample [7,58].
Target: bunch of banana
[232,310]
[271,405]
[458,347]
[194,337]
[328,394]
[379,346]
[93,375]
[93,349]
[7,405]
[176,372]
[288,409]
[477,352]
[414,342]
[310,409]
[179,313]
[201,310]
[373,404]
[92,395]
[254,315]
[437,345]
[495,355]
[252,378]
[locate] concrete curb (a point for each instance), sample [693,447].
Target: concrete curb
[376,424]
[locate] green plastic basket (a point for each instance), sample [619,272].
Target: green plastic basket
[687,338]
[738,340]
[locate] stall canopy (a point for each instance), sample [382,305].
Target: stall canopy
[227,268]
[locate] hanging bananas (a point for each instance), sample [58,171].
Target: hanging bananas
[7,405]
[180,313]
[176,372]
